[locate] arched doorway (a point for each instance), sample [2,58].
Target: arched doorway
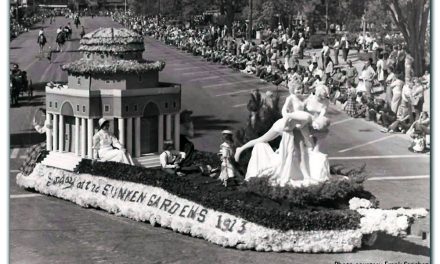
[69,127]
[149,129]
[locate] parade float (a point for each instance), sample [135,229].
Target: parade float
[113,81]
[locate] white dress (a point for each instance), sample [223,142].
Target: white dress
[282,166]
[104,142]
[227,169]
[318,161]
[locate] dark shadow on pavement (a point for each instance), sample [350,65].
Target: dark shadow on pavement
[29,103]
[209,122]
[41,86]
[72,51]
[38,97]
[397,244]
[37,27]
[26,139]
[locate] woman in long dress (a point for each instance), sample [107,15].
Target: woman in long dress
[284,166]
[107,146]
[396,87]
[317,105]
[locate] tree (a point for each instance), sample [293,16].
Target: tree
[377,14]
[411,17]
[228,8]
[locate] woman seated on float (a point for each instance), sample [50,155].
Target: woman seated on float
[107,147]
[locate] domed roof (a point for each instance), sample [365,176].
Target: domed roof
[112,40]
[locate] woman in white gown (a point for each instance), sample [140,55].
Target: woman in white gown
[290,164]
[317,104]
[107,146]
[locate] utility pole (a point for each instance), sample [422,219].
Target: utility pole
[17,10]
[250,19]
[159,6]
[326,17]
[125,7]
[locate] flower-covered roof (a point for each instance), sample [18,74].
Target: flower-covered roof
[87,67]
[112,40]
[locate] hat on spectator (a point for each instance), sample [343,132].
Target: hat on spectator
[102,121]
[227,132]
[168,145]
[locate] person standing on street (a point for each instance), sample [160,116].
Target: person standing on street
[301,45]
[352,72]
[325,54]
[367,77]
[336,48]
[380,70]
[345,47]
[41,40]
[376,50]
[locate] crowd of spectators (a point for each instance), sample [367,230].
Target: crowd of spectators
[25,19]
[383,91]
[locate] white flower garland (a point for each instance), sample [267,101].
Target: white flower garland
[147,203]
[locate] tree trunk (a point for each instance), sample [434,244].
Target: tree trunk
[413,26]
[230,14]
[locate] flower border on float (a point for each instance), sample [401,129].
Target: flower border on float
[147,203]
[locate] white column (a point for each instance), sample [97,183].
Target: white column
[137,136]
[61,134]
[77,136]
[49,139]
[90,138]
[177,131]
[130,135]
[83,138]
[55,132]
[168,127]
[121,129]
[160,132]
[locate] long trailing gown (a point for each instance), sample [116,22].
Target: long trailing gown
[318,161]
[282,167]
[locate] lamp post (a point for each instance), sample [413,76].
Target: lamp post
[250,20]
[159,6]
[17,10]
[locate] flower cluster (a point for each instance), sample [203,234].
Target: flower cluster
[114,48]
[335,193]
[53,181]
[357,203]
[84,66]
[112,36]
[392,222]
[255,237]
[234,200]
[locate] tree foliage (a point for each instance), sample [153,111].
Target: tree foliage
[411,17]
[377,15]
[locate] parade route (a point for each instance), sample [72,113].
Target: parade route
[45,229]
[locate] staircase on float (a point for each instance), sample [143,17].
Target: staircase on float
[62,160]
[148,160]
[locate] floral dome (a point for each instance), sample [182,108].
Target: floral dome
[119,50]
[112,40]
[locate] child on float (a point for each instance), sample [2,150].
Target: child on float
[226,154]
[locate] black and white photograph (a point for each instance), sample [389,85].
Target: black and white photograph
[218,131]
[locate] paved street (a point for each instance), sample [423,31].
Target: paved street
[49,230]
